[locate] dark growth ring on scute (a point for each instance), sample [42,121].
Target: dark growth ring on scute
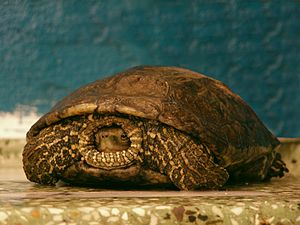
[179,127]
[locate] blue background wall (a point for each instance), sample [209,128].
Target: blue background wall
[49,48]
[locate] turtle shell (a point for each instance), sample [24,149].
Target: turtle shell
[186,100]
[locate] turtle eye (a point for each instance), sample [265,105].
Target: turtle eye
[123,137]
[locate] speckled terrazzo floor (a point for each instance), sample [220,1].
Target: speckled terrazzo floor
[22,202]
[277,202]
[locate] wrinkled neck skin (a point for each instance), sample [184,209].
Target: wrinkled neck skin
[110,142]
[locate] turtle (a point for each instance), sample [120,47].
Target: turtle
[152,126]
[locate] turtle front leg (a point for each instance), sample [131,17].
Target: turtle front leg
[53,150]
[189,165]
[38,165]
[193,168]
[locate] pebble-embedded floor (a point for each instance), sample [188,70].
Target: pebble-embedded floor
[277,202]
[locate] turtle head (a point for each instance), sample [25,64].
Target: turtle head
[111,139]
[109,142]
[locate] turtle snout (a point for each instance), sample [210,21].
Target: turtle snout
[111,139]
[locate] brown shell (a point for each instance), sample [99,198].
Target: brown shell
[186,100]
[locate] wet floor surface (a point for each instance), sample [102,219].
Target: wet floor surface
[22,202]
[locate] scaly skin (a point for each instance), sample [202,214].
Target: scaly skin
[61,145]
[54,150]
[187,163]
[154,146]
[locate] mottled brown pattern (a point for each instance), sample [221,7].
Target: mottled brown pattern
[185,127]
[160,148]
